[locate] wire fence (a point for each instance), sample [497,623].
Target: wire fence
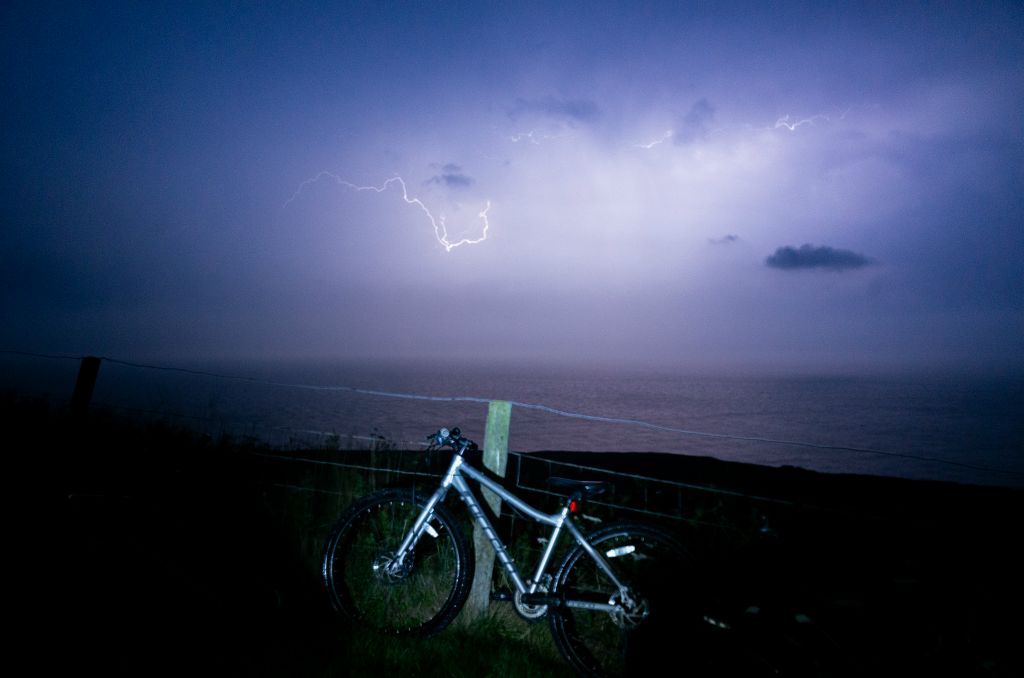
[720,513]
[525,479]
[303,489]
[297,438]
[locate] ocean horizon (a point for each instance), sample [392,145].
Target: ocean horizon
[957,427]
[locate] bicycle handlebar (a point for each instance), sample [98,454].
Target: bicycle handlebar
[453,439]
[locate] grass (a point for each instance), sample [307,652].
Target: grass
[169,553]
[180,554]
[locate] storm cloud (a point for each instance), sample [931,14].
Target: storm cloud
[451,176]
[809,256]
[543,171]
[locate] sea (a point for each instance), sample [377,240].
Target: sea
[965,428]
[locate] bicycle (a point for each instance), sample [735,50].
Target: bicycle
[399,562]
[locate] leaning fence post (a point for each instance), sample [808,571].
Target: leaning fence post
[84,385]
[499,415]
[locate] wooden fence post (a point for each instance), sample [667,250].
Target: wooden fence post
[499,415]
[84,386]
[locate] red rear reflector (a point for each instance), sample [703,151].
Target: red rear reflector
[573,506]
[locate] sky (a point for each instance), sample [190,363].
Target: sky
[696,186]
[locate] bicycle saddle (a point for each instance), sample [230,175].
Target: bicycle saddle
[587,488]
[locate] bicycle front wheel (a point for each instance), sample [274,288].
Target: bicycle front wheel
[647,635]
[419,598]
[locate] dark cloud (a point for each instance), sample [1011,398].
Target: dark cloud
[451,176]
[808,256]
[580,110]
[724,240]
[695,124]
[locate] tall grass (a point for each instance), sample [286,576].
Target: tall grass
[204,555]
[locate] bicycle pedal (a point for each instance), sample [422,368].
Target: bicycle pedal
[501,595]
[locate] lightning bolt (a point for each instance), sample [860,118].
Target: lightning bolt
[533,137]
[664,137]
[530,136]
[786,122]
[438,223]
[791,126]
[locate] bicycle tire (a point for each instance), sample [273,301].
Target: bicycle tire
[421,601]
[654,565]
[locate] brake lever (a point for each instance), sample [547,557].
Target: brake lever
[437,439]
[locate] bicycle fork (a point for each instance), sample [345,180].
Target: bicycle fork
[397,565]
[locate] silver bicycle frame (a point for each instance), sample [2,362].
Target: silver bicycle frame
[455,478]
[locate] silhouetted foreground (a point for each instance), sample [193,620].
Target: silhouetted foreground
[164,553]
[852,575]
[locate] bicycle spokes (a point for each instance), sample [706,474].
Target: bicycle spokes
[420,593]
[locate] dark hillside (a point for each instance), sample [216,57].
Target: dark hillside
[911,577]
[159,552]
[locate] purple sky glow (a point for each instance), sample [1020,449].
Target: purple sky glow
[785,186]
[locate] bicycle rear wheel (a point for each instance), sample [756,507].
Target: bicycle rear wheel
[425,594]
[648,638]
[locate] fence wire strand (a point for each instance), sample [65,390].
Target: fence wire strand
[532,406]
